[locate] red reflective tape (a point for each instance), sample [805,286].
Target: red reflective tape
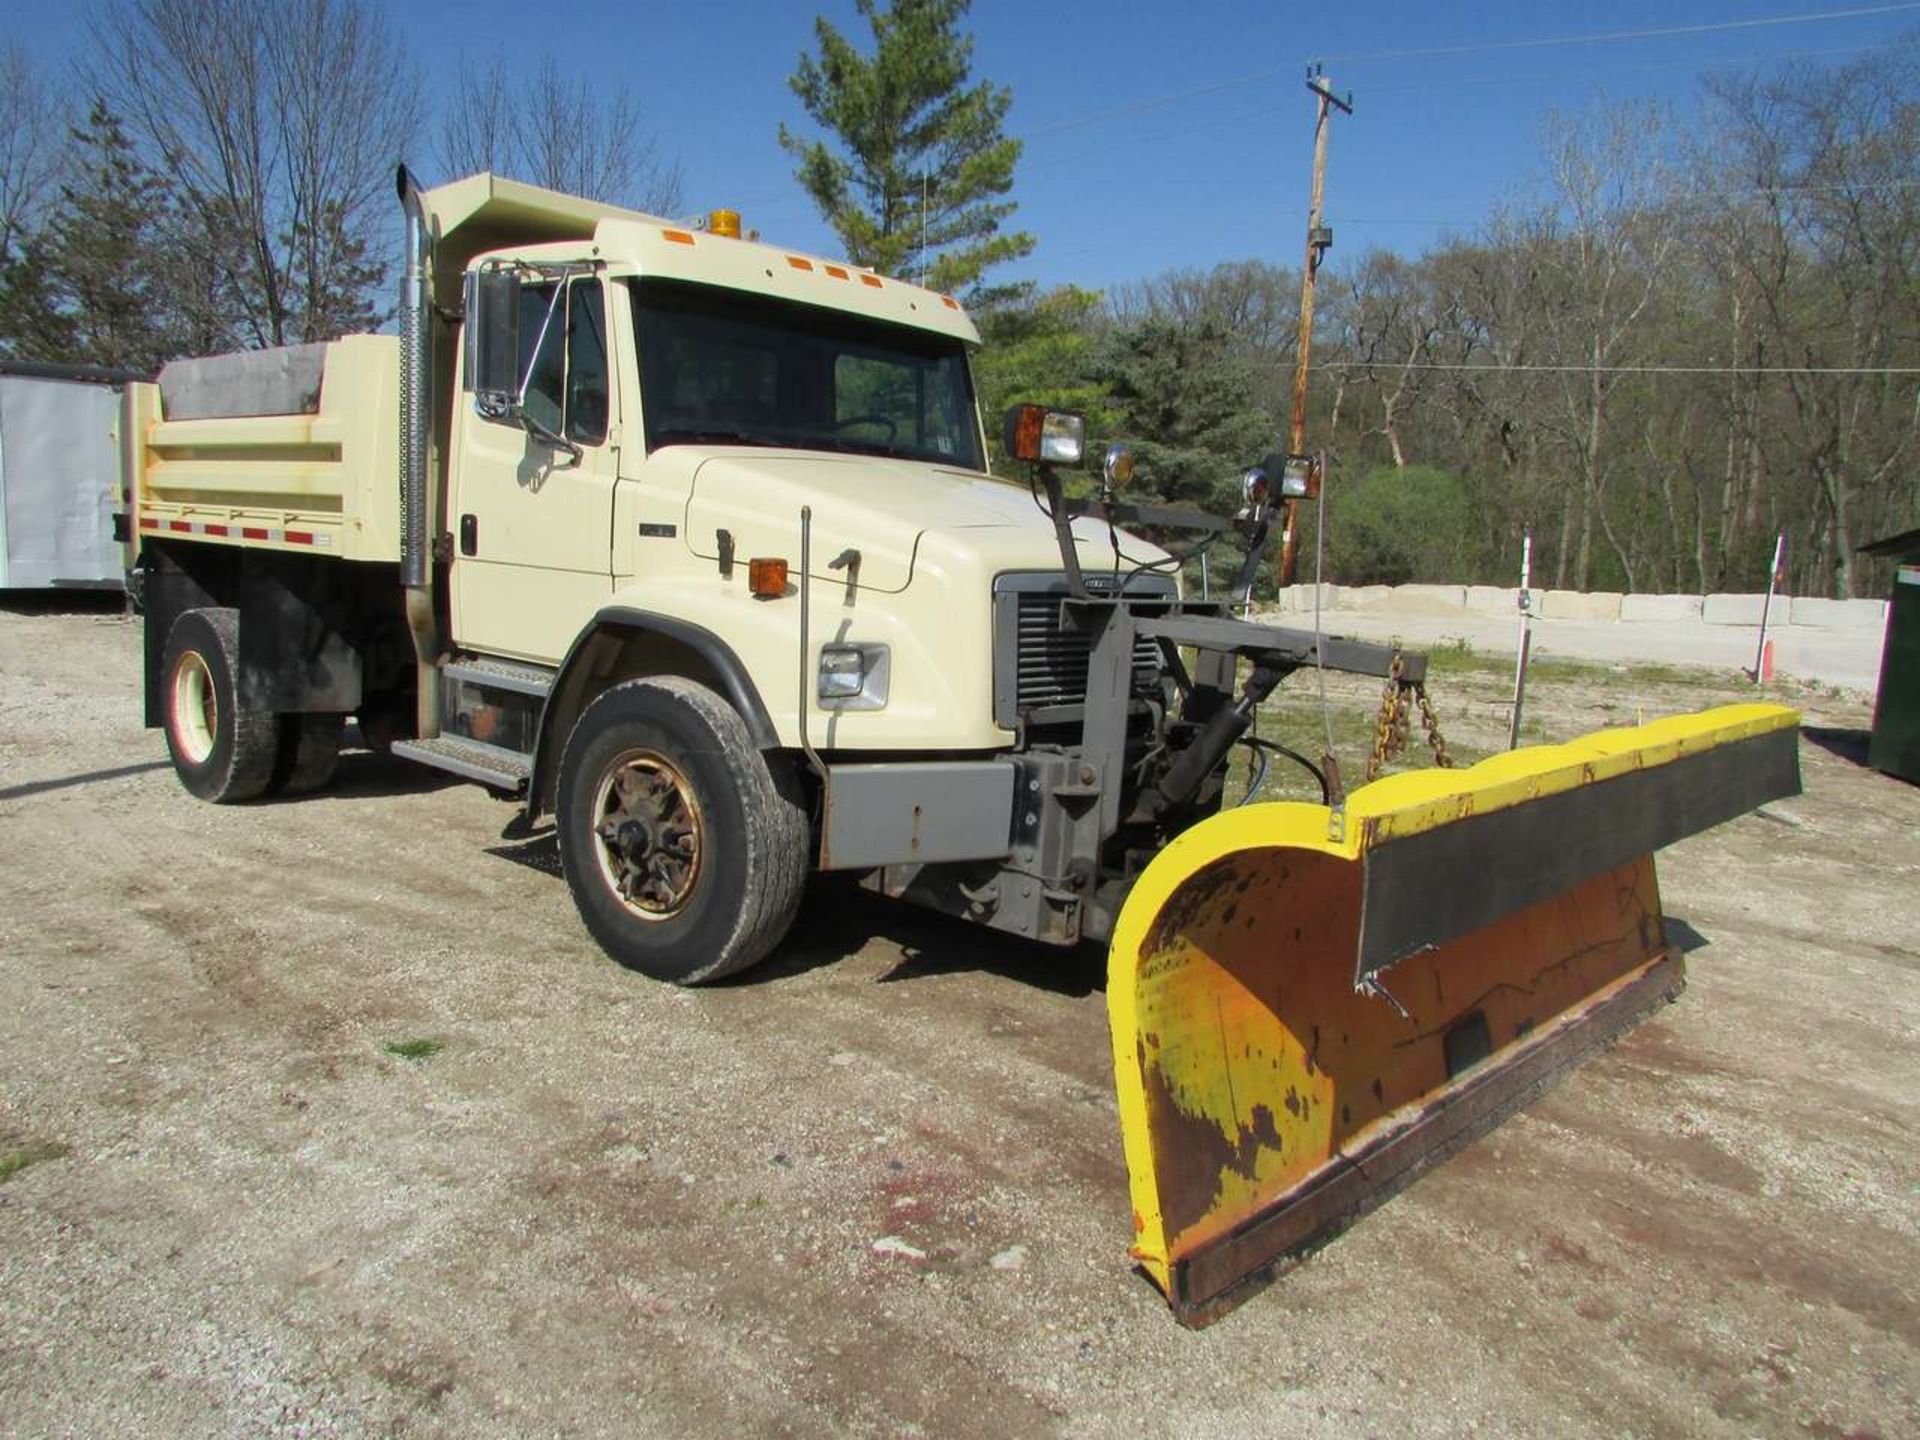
[220,530]
[147,522]
[248,532]
[297,537]
[184,527]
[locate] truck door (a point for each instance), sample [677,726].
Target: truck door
[532,524]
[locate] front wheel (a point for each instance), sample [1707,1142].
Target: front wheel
[685,850]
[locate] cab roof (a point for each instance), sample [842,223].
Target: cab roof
[488,212]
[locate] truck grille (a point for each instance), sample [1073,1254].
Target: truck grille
[1040,670]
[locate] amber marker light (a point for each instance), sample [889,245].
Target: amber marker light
[767,578]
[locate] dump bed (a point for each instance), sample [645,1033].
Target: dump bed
[288,449]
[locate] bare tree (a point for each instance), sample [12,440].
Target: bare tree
[1819,171]
[280,123]
[32,141]
[557,133]
[1603,252]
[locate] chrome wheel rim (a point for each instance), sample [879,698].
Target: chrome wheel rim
[647,832]
[196,710]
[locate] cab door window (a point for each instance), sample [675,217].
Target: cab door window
[563,354]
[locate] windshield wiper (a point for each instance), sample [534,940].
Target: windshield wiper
[712,437]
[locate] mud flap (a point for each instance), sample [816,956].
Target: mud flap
[1302,1022]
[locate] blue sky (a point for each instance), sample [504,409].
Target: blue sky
[1162,135]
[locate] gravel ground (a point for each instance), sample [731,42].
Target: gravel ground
[876,1187]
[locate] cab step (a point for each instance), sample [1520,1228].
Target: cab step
[535,680]
[491,765]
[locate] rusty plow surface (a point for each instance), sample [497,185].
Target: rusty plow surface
[1302,1024]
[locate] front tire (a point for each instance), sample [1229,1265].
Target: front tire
[685,851]
[220,751]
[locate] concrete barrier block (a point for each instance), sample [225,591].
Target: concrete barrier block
[1492,600]
[1837,614]
[1660,607]
[1580,605]
[1734,609]
[1365,597]
[1428,599]
[1298,599]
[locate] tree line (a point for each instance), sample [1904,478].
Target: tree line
[1688,344]
[1689,341]
[228,182]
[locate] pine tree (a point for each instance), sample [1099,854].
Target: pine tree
[99,251]
[918,162]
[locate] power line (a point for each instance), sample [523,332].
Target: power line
[1154,102]
[1613,36]
[1672,195]
[1623,369]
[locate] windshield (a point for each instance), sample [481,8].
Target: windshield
[718,366]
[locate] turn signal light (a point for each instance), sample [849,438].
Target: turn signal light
[767,578]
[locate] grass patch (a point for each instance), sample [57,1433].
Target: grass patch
[16,1158]
[423,1048]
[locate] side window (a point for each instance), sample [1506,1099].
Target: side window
[543,326]
[586,364]
[563,354]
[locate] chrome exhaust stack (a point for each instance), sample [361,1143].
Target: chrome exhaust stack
[416,421]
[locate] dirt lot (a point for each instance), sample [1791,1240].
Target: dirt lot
[605,1207]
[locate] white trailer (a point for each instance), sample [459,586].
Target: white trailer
[60,476]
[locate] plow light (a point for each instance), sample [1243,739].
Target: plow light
[1046,437]
[1299,478]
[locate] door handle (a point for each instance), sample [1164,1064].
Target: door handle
[469,535]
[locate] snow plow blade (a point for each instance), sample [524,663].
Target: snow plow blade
[1301,1024]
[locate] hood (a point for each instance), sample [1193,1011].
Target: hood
[880,507]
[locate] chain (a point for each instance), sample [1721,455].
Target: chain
[1391,726]
[1431,723]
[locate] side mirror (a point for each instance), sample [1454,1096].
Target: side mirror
[495,316]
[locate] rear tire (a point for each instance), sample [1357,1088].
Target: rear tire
[685,850]
[220,751]
[309,753]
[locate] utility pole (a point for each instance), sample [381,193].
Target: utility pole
[1319,238]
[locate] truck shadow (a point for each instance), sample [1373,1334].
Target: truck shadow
[838,920]
[371,775]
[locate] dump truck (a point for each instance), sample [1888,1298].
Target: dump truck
[687,544]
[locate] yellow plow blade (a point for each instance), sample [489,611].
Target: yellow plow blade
[1302,1023]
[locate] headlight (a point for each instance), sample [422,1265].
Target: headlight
[853,677]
